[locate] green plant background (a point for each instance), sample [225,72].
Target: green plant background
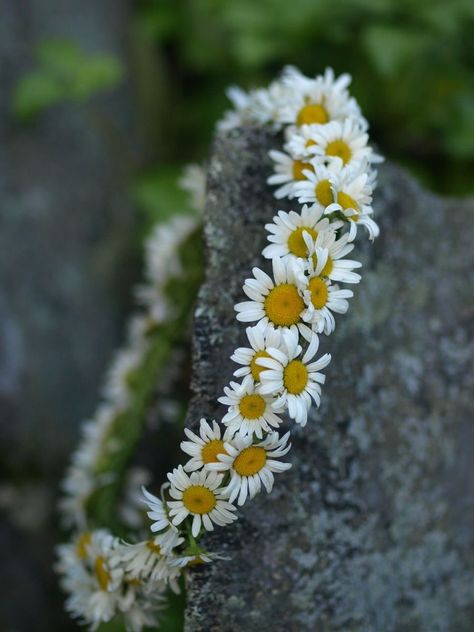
[411,62]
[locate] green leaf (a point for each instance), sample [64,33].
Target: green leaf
[64,73]
[391,47]
[34,93]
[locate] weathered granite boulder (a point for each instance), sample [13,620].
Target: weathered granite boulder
[372,528]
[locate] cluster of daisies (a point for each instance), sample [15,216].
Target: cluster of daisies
[326,168]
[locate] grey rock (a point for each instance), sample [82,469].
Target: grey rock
[372,528]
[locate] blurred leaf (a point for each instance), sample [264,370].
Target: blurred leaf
[157,195]
[64,73]
[390,48]
[460,138]
[35,92]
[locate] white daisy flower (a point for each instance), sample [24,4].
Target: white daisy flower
[317,188]
[299,141]
[286,232]
[141,604]
[148,558]
[260,106]
[201,497]
[319,100]
[193,181]
[288,171]
[93,583]
[347,190]
[322,299]
[353,198]
[203,449]
[343,141]
[353,191]
[203,557]
[251,465]
[158,512]
[296,380]
[326,257]
[279,301]
[117,385]
[260,337]
[249,412]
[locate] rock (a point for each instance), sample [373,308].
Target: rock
[371,529]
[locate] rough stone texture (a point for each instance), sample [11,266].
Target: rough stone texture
[372,528]
[65,226]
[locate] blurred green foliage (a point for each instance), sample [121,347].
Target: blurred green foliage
[412,64]
[64,72]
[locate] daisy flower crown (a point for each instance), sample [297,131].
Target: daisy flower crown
[326,168]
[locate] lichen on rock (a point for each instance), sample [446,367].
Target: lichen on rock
[371,530]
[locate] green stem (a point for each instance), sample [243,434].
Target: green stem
[127,427]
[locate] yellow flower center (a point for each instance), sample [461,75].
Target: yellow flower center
[324,193]
[250,461]
[199,499]
[154,547]
[82,543]
[309,143]
[339,148]
[256,369]
[283,305]
[348,202]
[296,243]
[297,169]
[210,451]
[196,562]
[252,406]
[328,266]
[295,377]
[101,572]
[312,113]
[132,581]
[319,292]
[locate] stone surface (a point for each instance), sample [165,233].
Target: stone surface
[372,528]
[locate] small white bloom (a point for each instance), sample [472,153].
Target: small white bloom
[249,412]
[141,603]
[286,232]
[131,510]
[117,386]
[279,301]
[92,581]
[150,558]
[203,449]
[203,557]
[158,512]
[347,190]
[251,465]
[344,141]
[320,100]
[261,106]
[162,263]
[193,181]
[260,337]
[317,187]
[326,257]
[322,299]
[295,380]
[289,170]
[353,191]
[200,496]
